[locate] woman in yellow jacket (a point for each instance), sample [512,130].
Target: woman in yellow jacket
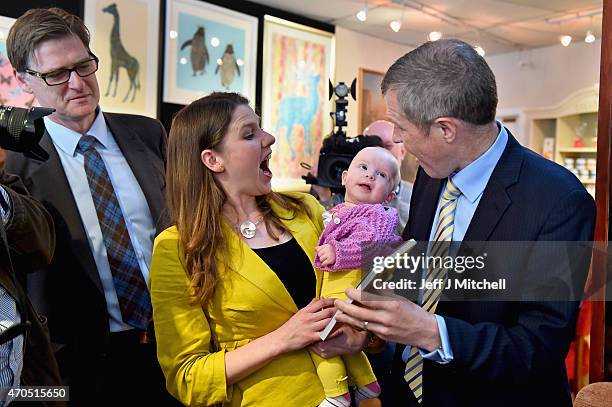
[232,282]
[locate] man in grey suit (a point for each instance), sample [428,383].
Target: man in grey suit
[104,186]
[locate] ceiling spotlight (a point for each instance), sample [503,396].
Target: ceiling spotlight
[565,40]
[590,37]
[479,50]
[395,25]
[434,35]
[362,15]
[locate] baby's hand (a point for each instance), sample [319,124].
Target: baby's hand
[326,254]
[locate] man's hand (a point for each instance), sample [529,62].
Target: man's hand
[392,318]
[343,341]
[326,254]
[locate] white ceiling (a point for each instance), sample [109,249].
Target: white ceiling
[497,25]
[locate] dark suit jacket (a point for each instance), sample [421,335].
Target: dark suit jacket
[31,240]
[69,291]
[507,353]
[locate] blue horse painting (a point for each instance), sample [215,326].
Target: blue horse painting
[299,110]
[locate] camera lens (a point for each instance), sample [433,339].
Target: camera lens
[12,122]
[21,130]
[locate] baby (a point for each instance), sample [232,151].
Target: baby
[350,228]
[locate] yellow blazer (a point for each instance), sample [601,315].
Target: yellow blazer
[249,302]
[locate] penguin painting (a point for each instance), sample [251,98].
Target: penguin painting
[199,52]
[228,66]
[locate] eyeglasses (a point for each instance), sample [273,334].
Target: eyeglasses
[61,76]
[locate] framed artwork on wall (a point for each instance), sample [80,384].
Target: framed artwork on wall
[10,92]
[372,105]
[298,64]
[208,48]
[125,37]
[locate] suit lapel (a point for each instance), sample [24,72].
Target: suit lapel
[423,206]
[51,182]
[250,266]
[149,178]
[493,204]
[491,207]
[495,198]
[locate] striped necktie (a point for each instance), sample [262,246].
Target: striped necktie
[413,372]
[132,292]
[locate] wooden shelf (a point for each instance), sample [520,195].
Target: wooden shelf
[568,150]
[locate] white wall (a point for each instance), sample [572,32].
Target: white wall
[354,51]
[543,77]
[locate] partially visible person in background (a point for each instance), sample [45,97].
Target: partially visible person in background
[403,193]
[27,241]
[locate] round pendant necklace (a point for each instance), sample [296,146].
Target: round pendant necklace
[248,228]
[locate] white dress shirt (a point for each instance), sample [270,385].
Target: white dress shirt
[132,201]
[471,181]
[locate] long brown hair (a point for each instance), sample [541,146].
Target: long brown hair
[195,200]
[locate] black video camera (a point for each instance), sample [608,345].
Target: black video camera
[21,130]
[338,150]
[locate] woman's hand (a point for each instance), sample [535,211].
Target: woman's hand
[303,328]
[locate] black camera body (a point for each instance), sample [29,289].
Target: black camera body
[21,130]
[336,155]
[338,150]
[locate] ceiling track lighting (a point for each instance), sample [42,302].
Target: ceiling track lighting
[590,37]
[362,14]
[575,16]
[566,40]
[396,25]
[434,36]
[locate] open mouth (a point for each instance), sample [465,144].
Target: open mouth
[365,187]
[264,166]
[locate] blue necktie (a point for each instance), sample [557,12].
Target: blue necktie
[134,299]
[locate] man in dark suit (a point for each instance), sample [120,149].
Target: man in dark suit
[27,240]
[104,186]
[476,183]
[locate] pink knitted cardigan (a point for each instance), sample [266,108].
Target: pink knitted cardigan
[359,227]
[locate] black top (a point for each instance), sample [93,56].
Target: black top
[293,268]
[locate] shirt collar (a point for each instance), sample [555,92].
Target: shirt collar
[473,179]
[67,139]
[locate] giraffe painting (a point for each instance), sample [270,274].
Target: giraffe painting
[120,58]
